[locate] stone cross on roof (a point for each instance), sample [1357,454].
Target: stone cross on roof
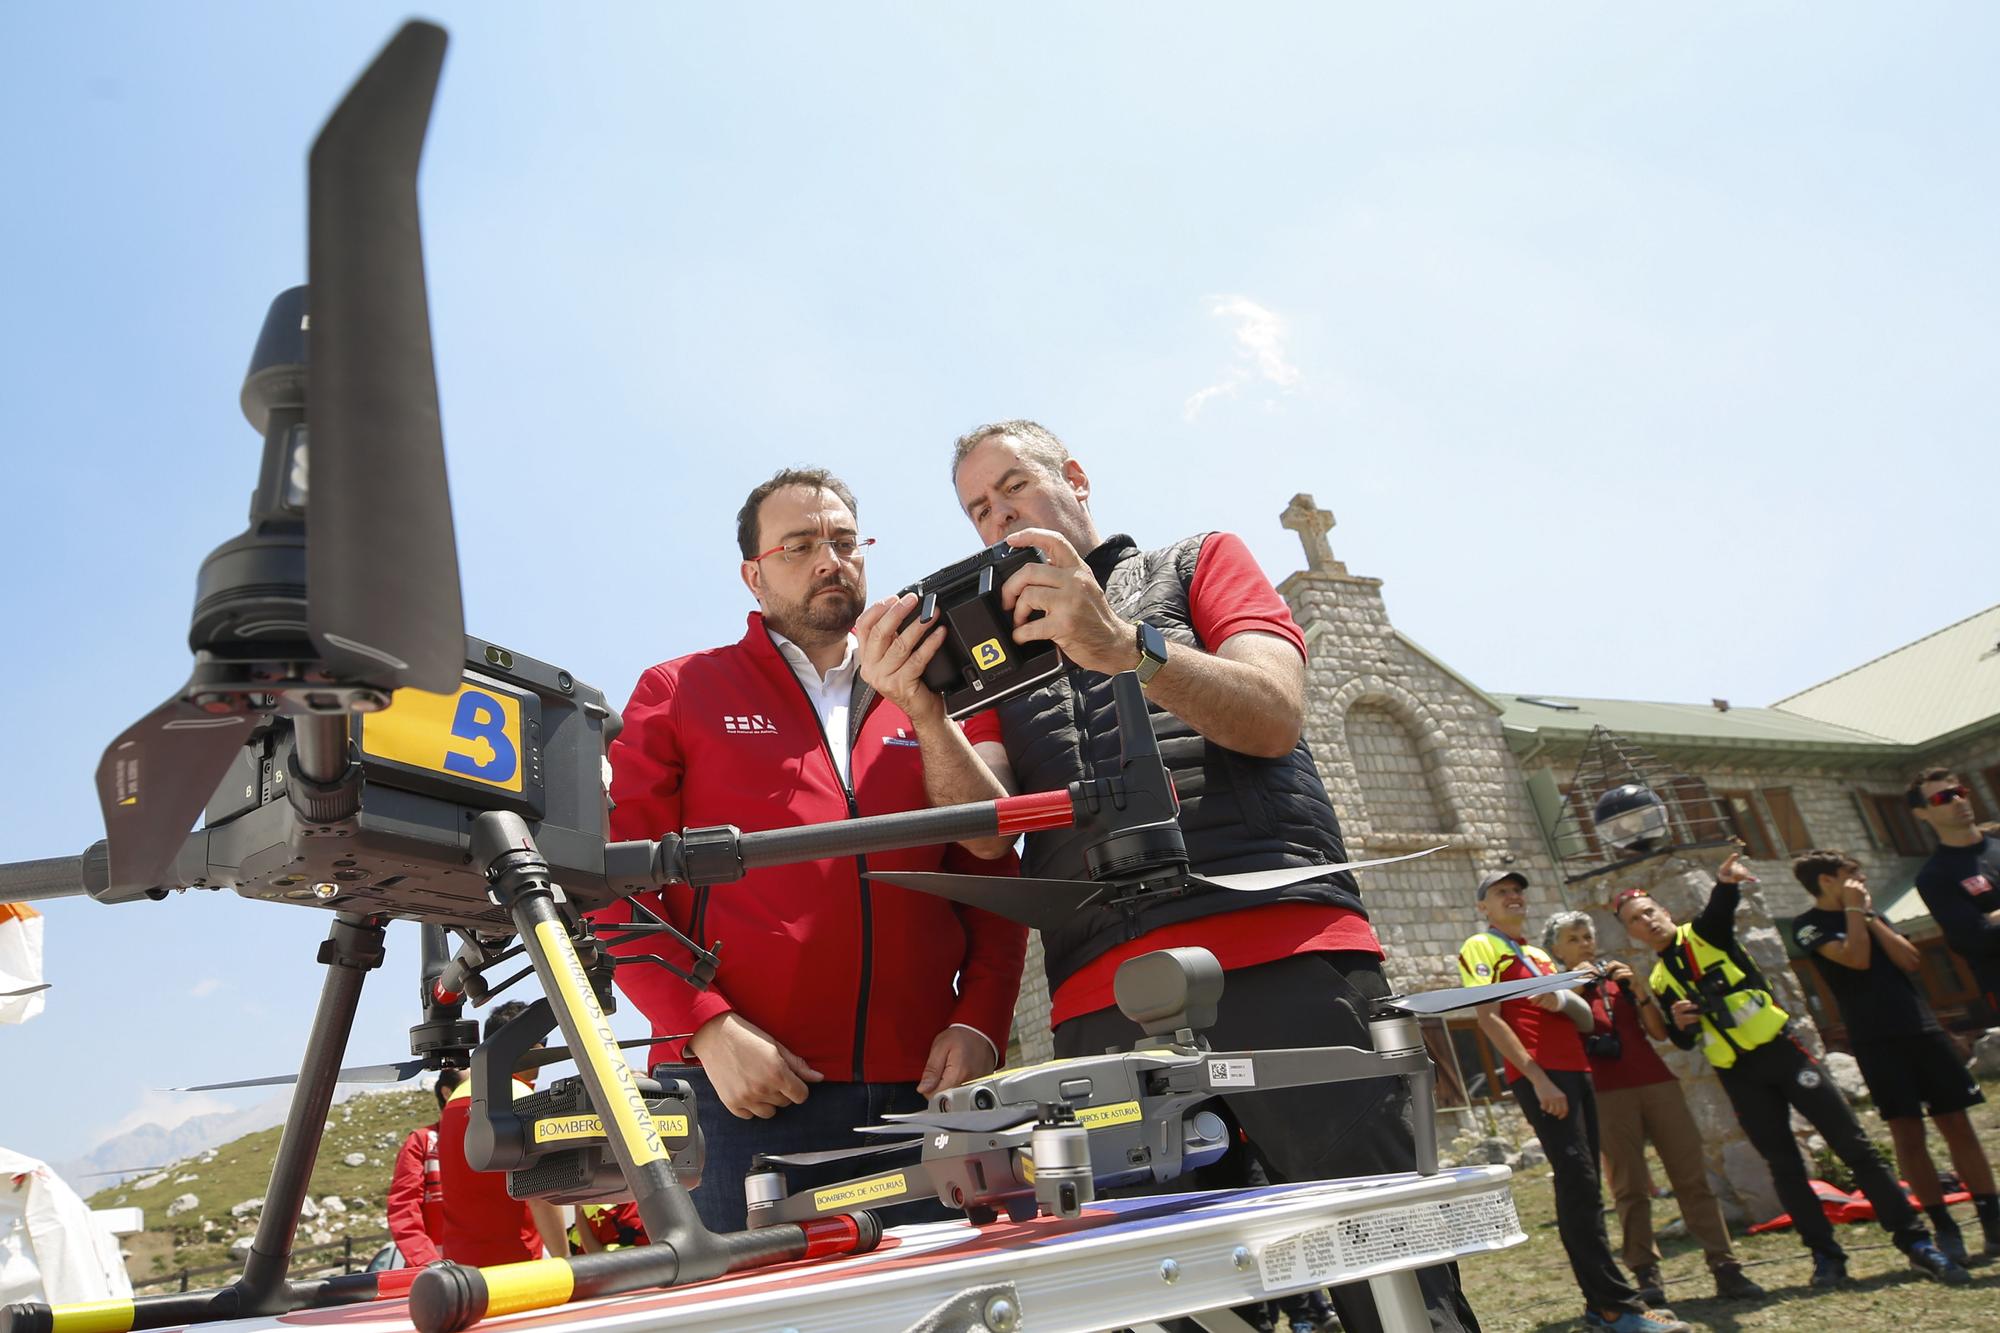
[1312,524]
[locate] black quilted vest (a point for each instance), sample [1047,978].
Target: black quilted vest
[1238,812]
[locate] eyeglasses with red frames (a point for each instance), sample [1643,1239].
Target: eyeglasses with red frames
[805,548]
[1949,794]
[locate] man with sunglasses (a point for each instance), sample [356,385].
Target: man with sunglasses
[837,1000]
[1960,884]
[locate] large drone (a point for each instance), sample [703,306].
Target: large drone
[348,747]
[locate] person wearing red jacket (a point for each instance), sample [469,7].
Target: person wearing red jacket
[481,1224]
[837,1000]
[416,1188]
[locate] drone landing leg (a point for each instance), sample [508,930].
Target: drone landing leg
[447,1297]
[352,949]
[1399,1302]
[1402,1034]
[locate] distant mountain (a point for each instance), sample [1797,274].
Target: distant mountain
[203,1206]
[153,1145]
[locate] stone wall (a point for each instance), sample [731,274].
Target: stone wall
[1413,758]
[1032,1042]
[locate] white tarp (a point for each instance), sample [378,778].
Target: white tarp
[20,962]
[51,1248]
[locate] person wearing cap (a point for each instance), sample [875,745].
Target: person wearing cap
[1640,1100]
[1718,999]
[1546,1070]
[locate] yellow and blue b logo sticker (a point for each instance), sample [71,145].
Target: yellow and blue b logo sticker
[472,733]
[988,655]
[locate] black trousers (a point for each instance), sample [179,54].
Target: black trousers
[1572,1146]
[1765,1086]
[1316,1133]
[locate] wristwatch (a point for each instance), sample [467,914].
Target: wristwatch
[1152,652]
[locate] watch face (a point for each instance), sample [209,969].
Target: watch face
[1151,642]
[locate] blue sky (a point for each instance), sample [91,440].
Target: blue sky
[1644,352]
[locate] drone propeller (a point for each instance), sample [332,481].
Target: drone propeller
[1465,997]
[123,1171]
[1039,904]
[398,1072]
[402,1071]
[383,564]
[1259,881]
[989,1121]
[835,1154]
[549,1055]
[1044,904]
[17,994]
[380,575]
[187,744]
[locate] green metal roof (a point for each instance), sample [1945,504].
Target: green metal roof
[1555,717]
[1940,684]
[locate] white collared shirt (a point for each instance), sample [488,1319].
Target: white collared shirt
[830,694]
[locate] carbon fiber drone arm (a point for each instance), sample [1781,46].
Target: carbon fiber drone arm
[724,853]
[1245,1071]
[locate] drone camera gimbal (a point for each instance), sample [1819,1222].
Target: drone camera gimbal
[552,1143]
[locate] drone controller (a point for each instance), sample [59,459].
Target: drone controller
[979,664]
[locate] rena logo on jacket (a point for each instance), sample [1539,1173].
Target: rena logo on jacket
[754,722]
[903,738]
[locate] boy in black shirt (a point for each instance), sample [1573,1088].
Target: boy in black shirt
[1905,1057]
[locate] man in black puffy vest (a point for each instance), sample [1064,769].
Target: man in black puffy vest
[1223,664]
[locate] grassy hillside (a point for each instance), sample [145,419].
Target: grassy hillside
[372,1127]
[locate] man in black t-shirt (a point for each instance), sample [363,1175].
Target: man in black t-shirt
[1906,1059]
[1960,884]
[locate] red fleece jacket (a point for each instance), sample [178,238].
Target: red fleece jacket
[855,978]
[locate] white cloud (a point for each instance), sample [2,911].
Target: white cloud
[1260,335]
[205,987]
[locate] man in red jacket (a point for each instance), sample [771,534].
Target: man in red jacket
[837,1000]
[416,1189]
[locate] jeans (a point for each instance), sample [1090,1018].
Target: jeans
[1571,1144]
[827,1118]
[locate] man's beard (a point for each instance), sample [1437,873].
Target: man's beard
[818,617]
